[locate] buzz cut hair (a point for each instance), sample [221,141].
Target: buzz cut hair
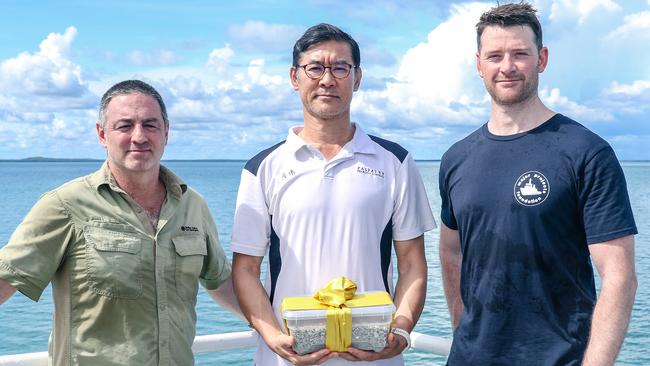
[129,87]
[508,15]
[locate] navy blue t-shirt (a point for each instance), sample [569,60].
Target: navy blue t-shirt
[527,206]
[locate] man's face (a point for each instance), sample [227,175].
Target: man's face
[134,135]
[327,97]
[510,63]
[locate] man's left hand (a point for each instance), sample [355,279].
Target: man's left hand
[395,345]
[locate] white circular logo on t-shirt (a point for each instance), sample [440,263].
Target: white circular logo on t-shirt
[531,188]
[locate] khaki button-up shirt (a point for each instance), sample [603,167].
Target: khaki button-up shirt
[124,291]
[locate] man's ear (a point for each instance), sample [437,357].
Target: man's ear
[357,78]
[542,62]
[293,76]
[100,134]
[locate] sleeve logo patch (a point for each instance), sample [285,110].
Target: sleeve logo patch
[531,188]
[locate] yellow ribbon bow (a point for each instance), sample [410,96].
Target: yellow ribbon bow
[338,328]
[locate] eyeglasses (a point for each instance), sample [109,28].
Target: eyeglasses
[339,70]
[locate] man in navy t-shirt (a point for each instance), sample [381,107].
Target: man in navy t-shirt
[529,200]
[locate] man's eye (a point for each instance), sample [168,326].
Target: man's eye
[315,68]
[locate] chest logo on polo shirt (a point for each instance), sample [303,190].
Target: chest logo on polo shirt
[531,188]
[370,171]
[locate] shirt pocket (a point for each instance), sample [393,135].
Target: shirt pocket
[113,260]
[190,253]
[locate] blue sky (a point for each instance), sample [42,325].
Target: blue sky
[222,67]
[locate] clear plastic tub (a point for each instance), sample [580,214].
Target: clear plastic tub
[370,327]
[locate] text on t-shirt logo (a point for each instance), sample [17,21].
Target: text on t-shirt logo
[531,188]
[370,171]
[189,228]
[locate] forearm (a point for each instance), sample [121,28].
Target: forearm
[6,290]
[254,301]
[610,321]
[410,293]
[450,263]
[224,295]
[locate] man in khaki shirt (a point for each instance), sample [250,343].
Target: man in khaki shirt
[124,247]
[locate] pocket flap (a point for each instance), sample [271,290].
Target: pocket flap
[190,245]
[108,241]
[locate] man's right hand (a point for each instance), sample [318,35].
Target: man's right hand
[281,345]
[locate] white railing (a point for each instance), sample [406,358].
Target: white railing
[229,341]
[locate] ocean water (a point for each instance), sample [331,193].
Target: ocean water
[25,325]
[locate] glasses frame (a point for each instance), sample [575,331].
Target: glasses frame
[352,67]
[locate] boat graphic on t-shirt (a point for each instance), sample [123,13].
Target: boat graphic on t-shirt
[529,189]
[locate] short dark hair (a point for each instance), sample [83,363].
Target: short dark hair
[508,15]
[129,87]
[324,32]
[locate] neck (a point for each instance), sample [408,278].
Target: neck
[145,188]
[328,136]
[516,118]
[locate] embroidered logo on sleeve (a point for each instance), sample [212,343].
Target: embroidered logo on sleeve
[531,188]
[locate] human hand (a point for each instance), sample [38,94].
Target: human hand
[281,345]
[394,346]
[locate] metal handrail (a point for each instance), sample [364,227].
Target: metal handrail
[230,341]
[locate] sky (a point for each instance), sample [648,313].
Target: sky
[222,68]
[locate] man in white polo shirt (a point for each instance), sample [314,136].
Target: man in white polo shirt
[329,201]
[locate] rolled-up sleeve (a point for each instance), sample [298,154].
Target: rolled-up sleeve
[37,247]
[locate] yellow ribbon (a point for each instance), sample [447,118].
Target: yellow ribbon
[338,328]
[337,297]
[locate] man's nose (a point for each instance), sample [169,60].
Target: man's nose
[328,78]
[508,65]
[138,134]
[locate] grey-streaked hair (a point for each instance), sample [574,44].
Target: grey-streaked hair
[129,87]
[325,32]
[508,15]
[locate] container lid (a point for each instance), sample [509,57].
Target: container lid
[382,310]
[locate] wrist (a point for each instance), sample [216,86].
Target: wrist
[404,334]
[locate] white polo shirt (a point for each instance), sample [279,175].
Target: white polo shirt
[319,219]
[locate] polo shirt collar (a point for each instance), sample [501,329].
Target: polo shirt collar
[103,177]
[360,142]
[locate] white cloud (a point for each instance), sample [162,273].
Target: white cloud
[631,98]
[638,87]
[554,100]
[46,72]
[43,96]
[436,81]
[261,36]
[219,58]
[562,10]
[152,58]
[634,26]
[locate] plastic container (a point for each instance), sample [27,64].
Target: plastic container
[370,327]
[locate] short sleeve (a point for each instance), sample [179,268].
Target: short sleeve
[412,214]
[446,208]
[606,209]
[216,268]
[252,223]
[37,247]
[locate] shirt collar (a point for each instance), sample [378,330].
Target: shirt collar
[360,143]
[173,183]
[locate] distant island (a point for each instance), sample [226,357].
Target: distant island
[44,159]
